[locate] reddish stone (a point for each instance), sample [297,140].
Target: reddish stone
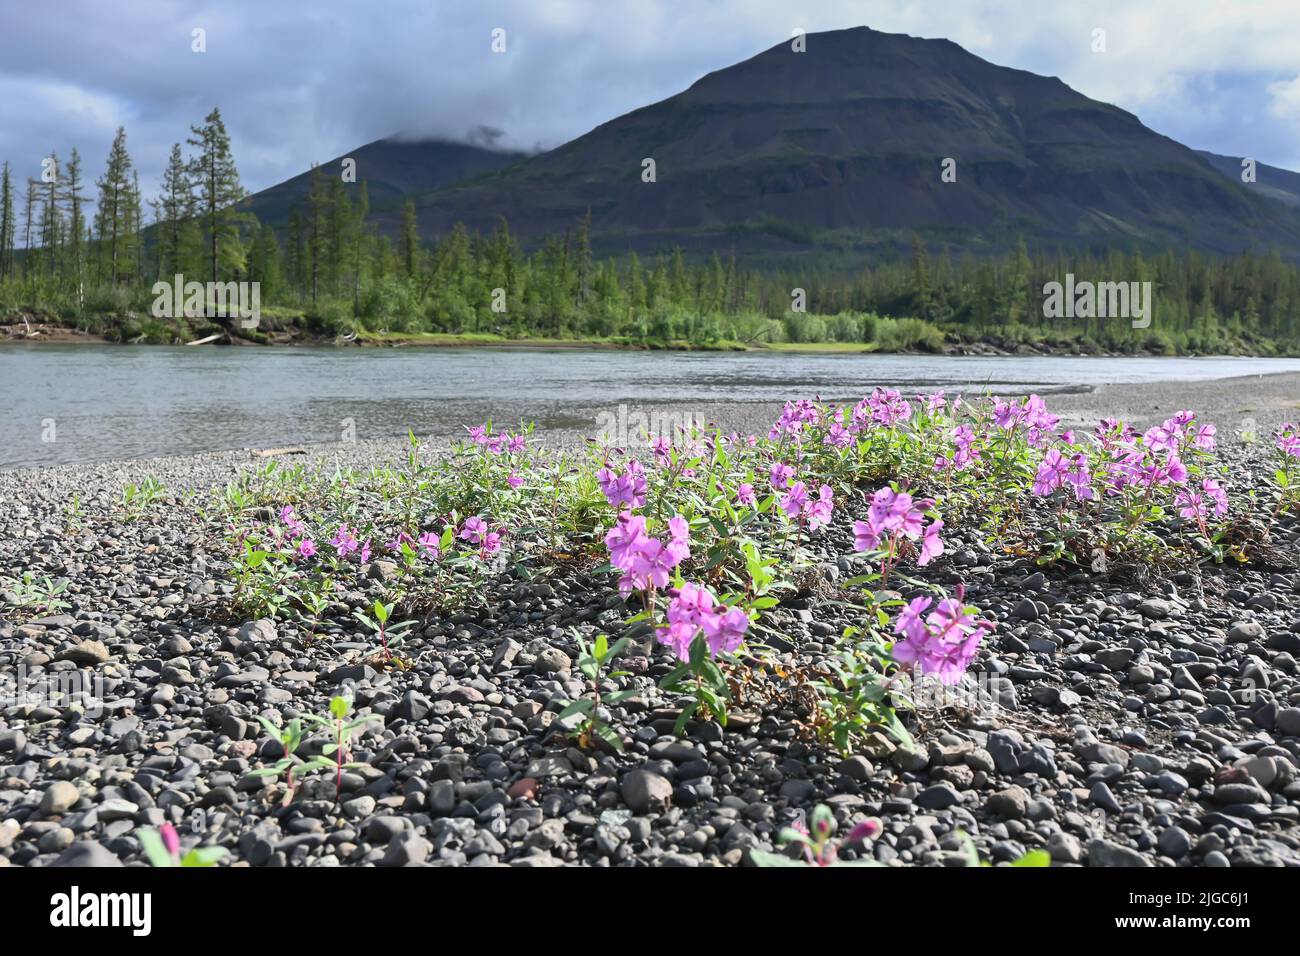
[525,787]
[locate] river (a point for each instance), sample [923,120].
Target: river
[83,403]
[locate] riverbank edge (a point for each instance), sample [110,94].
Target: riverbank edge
[955,344]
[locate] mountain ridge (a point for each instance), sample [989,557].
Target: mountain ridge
[839,149]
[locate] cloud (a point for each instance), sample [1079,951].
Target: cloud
[303,80]
[1285,98]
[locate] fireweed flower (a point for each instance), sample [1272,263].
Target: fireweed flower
[887,407]
[1287,440]
[627,489]
[893,517]
[780,476]
[646,561]
[819,510]
[344,541]
[693,610]
[795,500]
[931,543]
[1051,473]
[662,448]
[474,530]
[291,523]
[625,539]
[402,538]
[745,494]
[171,840]
[514,480]
[306,548]
[793,418]
[429,544]
[679,531]
[942,643]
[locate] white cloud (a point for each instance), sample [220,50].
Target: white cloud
[303,80]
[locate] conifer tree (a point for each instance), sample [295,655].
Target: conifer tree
[113,214]
[218,191]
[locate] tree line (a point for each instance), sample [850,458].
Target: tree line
[330,270]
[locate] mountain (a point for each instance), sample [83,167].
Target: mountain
[1272,181]
[393,170]
[836,151]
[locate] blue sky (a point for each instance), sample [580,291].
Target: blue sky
[304,80]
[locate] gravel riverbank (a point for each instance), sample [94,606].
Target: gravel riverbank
[1112,719]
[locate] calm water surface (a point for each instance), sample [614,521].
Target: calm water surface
[108,402]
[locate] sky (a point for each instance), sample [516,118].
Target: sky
[307,80]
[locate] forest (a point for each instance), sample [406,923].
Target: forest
[90,263]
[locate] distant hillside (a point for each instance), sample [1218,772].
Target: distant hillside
[1280,184]
[393,170]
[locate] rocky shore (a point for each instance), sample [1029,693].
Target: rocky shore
[1116,717]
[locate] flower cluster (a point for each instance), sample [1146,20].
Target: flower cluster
[893,517]
[944,642]
[802,507]
[498,444]
[645,561]
[625,490]
[476,531]
[694,610]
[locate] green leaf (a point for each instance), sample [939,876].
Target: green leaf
[339,706]
[607,734]
[1034,858]
[203,856]
[154,848]
[763,858]
[576,707]
[687,713]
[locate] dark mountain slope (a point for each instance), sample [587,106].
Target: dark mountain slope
[393,170]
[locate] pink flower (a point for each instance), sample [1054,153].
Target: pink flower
[819,511]
[931,543]
[944,643]
[745,494]
[628,489]
[344,541]
[693,610]
[625,538]
[171,839]
[430,545]
[780,476]
[514,480]
[795,499]
[306,548]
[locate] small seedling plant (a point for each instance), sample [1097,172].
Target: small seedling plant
[591,661]
[342,730]
[162,847]
[41,595]
[390,636]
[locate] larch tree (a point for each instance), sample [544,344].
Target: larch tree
[112,218]
[219,190]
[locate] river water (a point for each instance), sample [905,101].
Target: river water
[81,403]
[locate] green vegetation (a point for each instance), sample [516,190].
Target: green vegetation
[329,273]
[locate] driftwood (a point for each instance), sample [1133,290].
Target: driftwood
[268,452]
[210,338]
